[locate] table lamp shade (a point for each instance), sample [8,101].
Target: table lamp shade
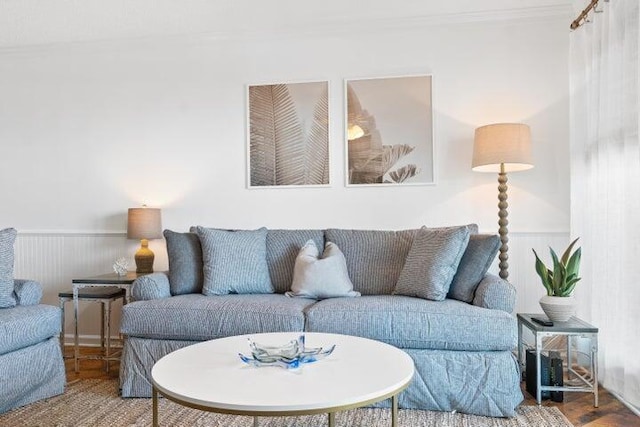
[144,224]
[507,144]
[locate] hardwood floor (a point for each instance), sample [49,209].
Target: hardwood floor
[577,407]
[89,369]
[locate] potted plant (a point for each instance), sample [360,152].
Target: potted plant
[558,304]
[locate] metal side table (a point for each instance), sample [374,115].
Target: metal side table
[103,280]
[571,329]
[105,296]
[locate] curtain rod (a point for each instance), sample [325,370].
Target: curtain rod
[582,18]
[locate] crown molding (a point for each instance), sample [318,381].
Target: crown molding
[71,233]
[123,234]
[504,15]
[374,25]
[339,26]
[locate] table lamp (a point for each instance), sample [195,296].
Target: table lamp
[144,223]
[502,148]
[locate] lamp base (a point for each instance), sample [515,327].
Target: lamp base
[503,223]
[144,258]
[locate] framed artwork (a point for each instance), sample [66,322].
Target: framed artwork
[288,133]
[389,131]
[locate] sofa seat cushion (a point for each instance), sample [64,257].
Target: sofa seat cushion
[198,317]
[415,323]
[24,326]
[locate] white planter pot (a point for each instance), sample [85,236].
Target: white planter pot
[558,309]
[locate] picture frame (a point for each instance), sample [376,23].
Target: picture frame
[388,135]
[288,135]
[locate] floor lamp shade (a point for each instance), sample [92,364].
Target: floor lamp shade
[506,144]
[144,224]
[502,148]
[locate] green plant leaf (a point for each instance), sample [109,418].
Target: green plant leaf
[573,281]
[562,280]
[554,258]
[558,273]
[544,273]
[570,287]
[567,252]
[573,265]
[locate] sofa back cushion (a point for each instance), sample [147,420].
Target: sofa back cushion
[477,258]
[7,239]
[234,262]
[282,249]
[432,262]
[185,262]
[374,258]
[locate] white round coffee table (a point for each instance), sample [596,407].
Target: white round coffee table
[210,376]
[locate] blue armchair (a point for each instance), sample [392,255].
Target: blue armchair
[31,363]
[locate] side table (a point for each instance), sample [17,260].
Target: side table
[105,295]
[103,280]
[571,329]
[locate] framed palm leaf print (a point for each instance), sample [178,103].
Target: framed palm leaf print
[288,133]
[389,131]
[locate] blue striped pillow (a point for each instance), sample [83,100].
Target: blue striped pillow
[185,262]
[432,262]
[477,258]
[234,262]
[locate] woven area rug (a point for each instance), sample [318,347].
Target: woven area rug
[96,403]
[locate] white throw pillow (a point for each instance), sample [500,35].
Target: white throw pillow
[320,278]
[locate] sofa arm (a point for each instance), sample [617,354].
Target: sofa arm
[495,293]
[151,286]
[27,292]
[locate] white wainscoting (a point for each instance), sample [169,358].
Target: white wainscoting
[55,258]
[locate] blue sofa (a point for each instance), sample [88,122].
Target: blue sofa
[31,364]
[462,350]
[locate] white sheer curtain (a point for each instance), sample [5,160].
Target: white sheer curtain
[605,186]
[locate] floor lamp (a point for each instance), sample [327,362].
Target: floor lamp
[502,148]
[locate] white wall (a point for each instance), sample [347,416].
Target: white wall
[90,129]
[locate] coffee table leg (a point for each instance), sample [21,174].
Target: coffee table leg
[394,410]
[255,422]
[332,419]
[155,407]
